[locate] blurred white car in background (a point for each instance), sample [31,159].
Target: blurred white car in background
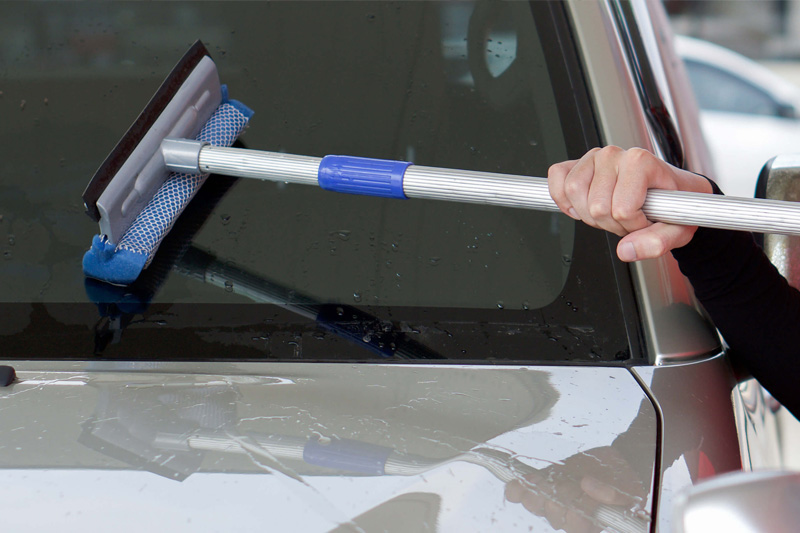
[748,113]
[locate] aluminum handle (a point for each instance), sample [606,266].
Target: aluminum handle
[674,207]
[272,166]
[488,188]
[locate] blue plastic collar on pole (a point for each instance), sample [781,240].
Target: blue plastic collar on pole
[348,455]
[361,175]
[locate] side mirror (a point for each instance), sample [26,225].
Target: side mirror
[739,502]
[780,180]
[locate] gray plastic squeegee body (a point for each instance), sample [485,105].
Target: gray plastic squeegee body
[144,170]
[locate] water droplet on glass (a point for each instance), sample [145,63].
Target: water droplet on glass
[225,219]
[161,322]
[343,235]
[228,286]
[356,296]
[324,441]
[567,259]
[395,246]
[526,306]
[500,305]
[11,240]
[7,255]
[434,261]
[367,337]
[340,311]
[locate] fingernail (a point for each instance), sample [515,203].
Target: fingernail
[573,213]
[627,252]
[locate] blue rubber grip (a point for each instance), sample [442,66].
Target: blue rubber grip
[362,175]
[347,455]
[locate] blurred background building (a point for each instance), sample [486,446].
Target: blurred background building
[761,29]
[765,30]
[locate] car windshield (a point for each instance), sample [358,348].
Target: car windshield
[264,271]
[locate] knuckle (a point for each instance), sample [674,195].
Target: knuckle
[573,187]
[557,170]
[624,213]
[608,152]
[639,158]
[657,244]
[599,209]
[638,154]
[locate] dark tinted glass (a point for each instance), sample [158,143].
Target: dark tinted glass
[262,270]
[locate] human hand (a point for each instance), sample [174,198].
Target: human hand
[568,494]
[606,189]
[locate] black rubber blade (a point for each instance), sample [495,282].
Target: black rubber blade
[140,127]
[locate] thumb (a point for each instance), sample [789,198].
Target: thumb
[653,241]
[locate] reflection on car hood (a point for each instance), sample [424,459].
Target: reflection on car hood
[299,447]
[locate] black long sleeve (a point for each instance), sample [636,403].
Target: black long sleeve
[752,305]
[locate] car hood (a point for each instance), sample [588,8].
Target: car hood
[321,447]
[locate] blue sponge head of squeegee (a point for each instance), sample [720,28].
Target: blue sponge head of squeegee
[121,263]
[104,261]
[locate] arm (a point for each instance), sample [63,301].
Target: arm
[750,302]
[753,306]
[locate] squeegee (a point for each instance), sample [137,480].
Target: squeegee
[134,196]
[185,133]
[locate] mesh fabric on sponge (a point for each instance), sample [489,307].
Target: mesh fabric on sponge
[122,263]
